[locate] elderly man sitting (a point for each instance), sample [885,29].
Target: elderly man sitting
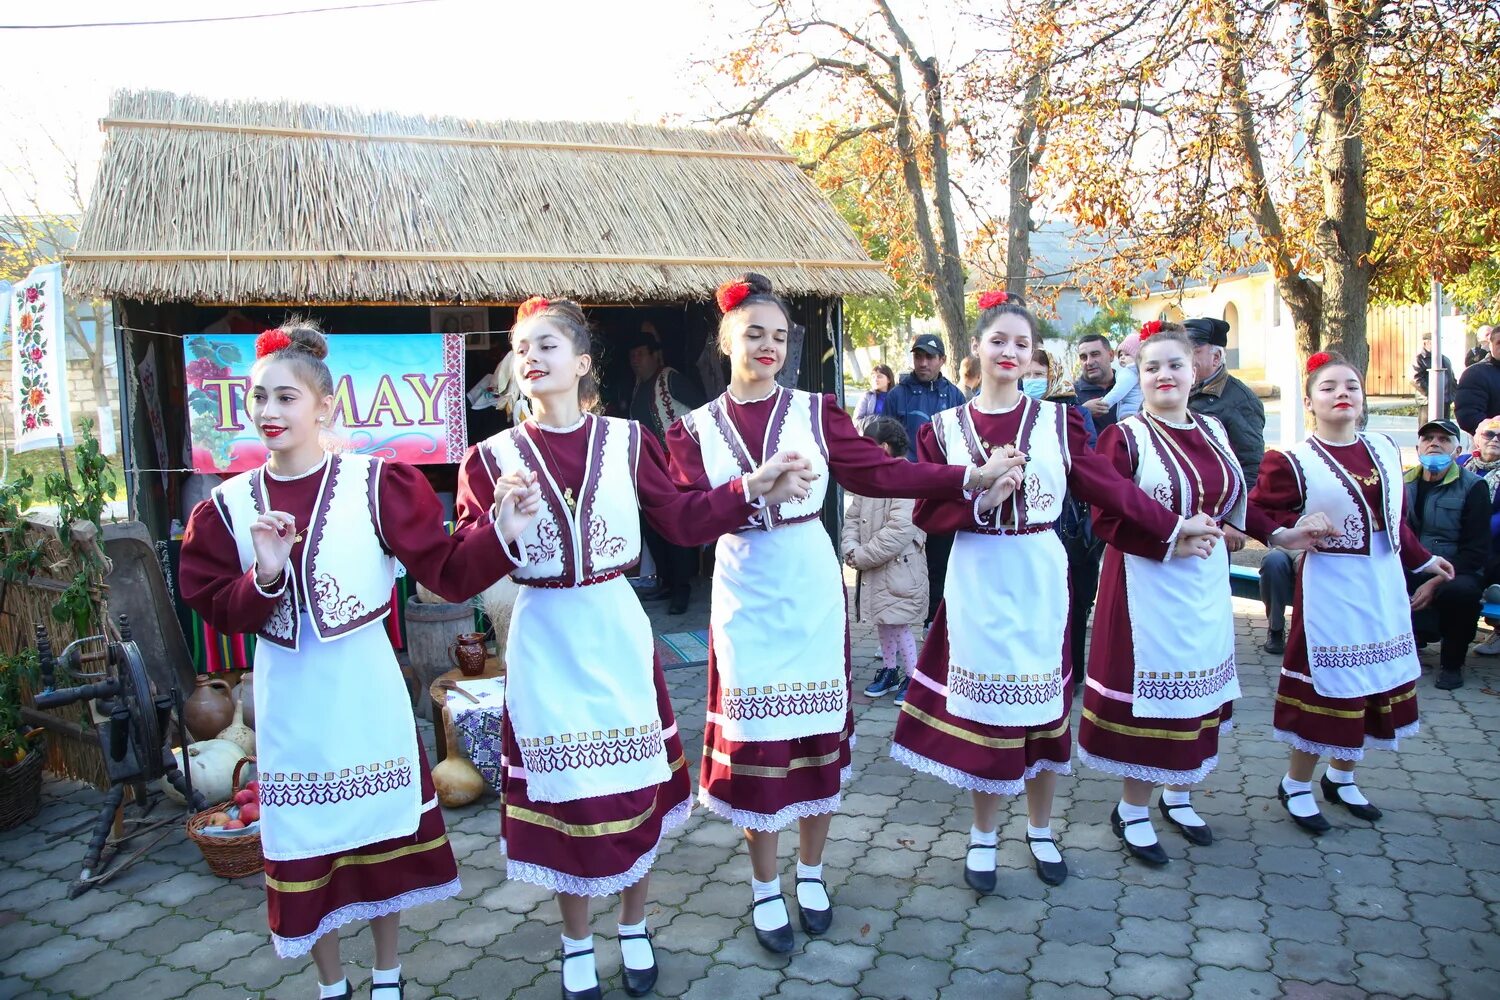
[1448,508]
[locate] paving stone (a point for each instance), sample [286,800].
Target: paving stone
[1230,949]
[494,976]
[1301,923]
[1399,975]
[1370,901]
[1314,961]
[1242,984]
[910,978]
[433,963]
[970,985]
[47,957]
[1018,914]
[842,965]
[22,936]
[799,989]
[1154,937]
[996,951]
[728,981]
[916,937]
[262,968]
[1070,926]
[213,950]
[1455,950]
[1163,904]
[476,927]
[1320,991]
[1073,964]
[181,888]
[160,981]
[1153,976]
[1453,912]
[99,973]
[1229,913]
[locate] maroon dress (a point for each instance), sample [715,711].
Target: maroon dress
[1000,759]
[311,896]
[1111,738]
[1342,728]
[764,785]
[601,844]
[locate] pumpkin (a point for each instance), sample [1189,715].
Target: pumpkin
[213,764]
[457,782]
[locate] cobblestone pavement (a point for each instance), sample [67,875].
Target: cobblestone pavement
[1407,908]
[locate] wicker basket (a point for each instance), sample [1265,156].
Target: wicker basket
[21,787]
[227,857]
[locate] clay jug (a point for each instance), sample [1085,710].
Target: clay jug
[244,693]
[239,733]
[210,709]
[468,654]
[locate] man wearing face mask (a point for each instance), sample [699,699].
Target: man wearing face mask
[1448,507]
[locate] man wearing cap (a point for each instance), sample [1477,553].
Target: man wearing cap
[1481,348]
[1478,393]
[660,396]
[1222,395]
[1448,508]
[913,400]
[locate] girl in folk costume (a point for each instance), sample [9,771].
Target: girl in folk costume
[594,774]
[776,741]
[988,706]
[1161,674]
[302,553]
[1348,677]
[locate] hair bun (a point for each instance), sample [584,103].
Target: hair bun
[759,283]
[305,335]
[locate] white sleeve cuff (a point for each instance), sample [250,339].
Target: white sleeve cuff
[280,589]
[1172,539]
[1425,566]
[514,551]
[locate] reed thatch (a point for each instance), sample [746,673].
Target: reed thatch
[242,202]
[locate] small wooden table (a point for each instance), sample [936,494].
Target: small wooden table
[439,694]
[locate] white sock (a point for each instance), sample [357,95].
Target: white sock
[981,860]
[1301,805]
[636,953]
[579,974]
[1180,807]
[1047,852]
[385,977]
[772,915]
[1137,834]
[811,895]
[1348,791]
[338,989]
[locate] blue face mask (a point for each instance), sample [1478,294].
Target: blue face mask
[1036,388]
[1435,463]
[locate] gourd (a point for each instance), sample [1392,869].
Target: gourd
[457,781]
[212,763]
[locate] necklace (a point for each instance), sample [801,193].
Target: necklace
[1373,479]
[568,497]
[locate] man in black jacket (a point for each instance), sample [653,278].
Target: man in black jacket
[1220,394]
[1479,389]
[1481,348]
[1448,508]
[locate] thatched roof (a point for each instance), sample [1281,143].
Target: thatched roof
[242,202]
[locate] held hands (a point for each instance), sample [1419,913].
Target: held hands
[1234,538]
[1006,486]
[1198,536]
[1001,461]
[1440,568]
[1423,595]
[272,534]
[1306,534]
[518,501]
[785,476]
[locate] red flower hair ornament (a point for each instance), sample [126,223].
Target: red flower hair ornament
[1149,328]
[271,341]
[1318,361]
[731,294]
[531,307]
[989,300]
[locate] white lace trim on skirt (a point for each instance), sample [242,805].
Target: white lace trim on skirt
[298,946]
[608,885]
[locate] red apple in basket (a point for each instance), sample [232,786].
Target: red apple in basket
[244,797]
[253,786]
[218,819]
[250,812]
[234,824]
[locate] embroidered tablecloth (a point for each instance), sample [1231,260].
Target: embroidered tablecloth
[478,725]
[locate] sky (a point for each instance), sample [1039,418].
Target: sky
[488,59]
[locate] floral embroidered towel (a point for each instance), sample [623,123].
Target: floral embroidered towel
[40,388]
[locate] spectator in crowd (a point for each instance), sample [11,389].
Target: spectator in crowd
[1220,394]
[1421,376]
[1481,348]
[1484,462]
[968,377]
[872,404]
[1448,508]
[1278,581]
[1478,394]
[1096,377]
[922,392]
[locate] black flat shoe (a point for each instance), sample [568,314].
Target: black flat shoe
[399,987]
[1051,872]
[639,982]
[1331,794]
[814,922]
[1312,824]
[1155,855]
[980,882]
[592,993]
[1200,835]
[1275,643]
[779,941]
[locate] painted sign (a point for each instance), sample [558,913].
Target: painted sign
[395,396]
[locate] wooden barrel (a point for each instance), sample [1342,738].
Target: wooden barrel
[430,629]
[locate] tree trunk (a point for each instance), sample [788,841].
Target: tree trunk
[1018,222]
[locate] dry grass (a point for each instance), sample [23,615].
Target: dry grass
[214,190]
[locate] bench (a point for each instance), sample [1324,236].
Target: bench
[1244,581]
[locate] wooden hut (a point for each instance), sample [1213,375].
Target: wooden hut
[205,212]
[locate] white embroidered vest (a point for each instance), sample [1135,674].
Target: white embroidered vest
[343,581]
[1162,477]
[603,538]
[1329,489]
[796,424]
[1043,436]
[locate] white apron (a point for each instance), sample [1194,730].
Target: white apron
[1181,611]
[581,692]
[580,695]
[1357,618]
[1356,614]
[778,634]
[336,745]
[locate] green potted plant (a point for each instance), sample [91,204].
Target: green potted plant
[22,750]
